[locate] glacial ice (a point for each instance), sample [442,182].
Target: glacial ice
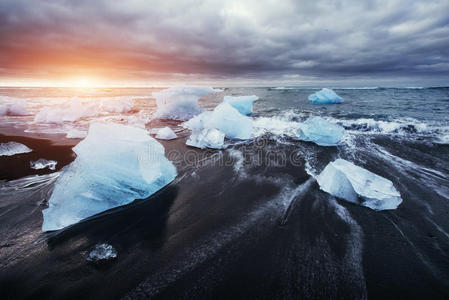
[43,163]
[115,164]
[244,104]
[325,96]
[225,118]
[345,180]
[102,252]
[180,102]
[18,108]
[76,134]
[166,133]
[75,110]
[13,148]
[206,138]
[321,132]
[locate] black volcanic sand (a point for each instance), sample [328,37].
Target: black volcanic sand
[229,228]
[17,166]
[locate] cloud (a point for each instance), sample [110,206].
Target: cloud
[225,39]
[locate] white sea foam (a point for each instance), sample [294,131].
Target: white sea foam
[13,148]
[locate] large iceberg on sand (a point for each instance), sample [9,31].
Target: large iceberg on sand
[206,138]
[115,164]
[225,118]
[13,148]
[352,183]
[321,132]
[244,104]
[325,96]
[180,102]
[18,108]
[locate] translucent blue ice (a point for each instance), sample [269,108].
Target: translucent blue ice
[321,132]
[325,96]
[352,183]
[115,164]
[244,104]
[226,119]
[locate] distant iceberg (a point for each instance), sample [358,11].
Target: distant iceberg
[244,104]
[18,108]
[13,148]
[115,164]
[43,163]
[206,138]
[321,132]
[180,102]
[325,96]
[225,118]
[347,181]
[166,133]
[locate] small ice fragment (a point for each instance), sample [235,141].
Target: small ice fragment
[166,133]
[347,181]
[115,165]
[206,138]
[43,163]
[225,118]
[244,104]
[321,132]
[13,148]
[18,108]
[325,96]
[76,134]
[102,252]
[180,102]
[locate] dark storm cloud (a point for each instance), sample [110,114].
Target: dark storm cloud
[266,39]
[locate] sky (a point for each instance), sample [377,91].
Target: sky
[224,43]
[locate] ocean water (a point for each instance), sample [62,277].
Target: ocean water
[248,221]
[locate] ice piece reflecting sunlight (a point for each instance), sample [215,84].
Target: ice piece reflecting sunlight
[115,164]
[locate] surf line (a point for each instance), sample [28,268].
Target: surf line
[298,193]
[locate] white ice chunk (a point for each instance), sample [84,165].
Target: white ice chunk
[225,118]
[117,106]
[244,104]
[180,102]
[206,138]
[321,132]
[115,164]
[18,108]
[76,134]
[102,252]
[325,96]
[13,148]
[166,133]
[345,180]
[43,163]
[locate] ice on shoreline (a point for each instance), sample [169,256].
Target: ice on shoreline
[347,181]
[115,165]
[18,108]
[244,104]
[325,96]
[321,132]
[206,138]
[102,252]
[75,110]
[165,133]
[13,148]
[224,118]
[180,102]
[43,163]
[76,134]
